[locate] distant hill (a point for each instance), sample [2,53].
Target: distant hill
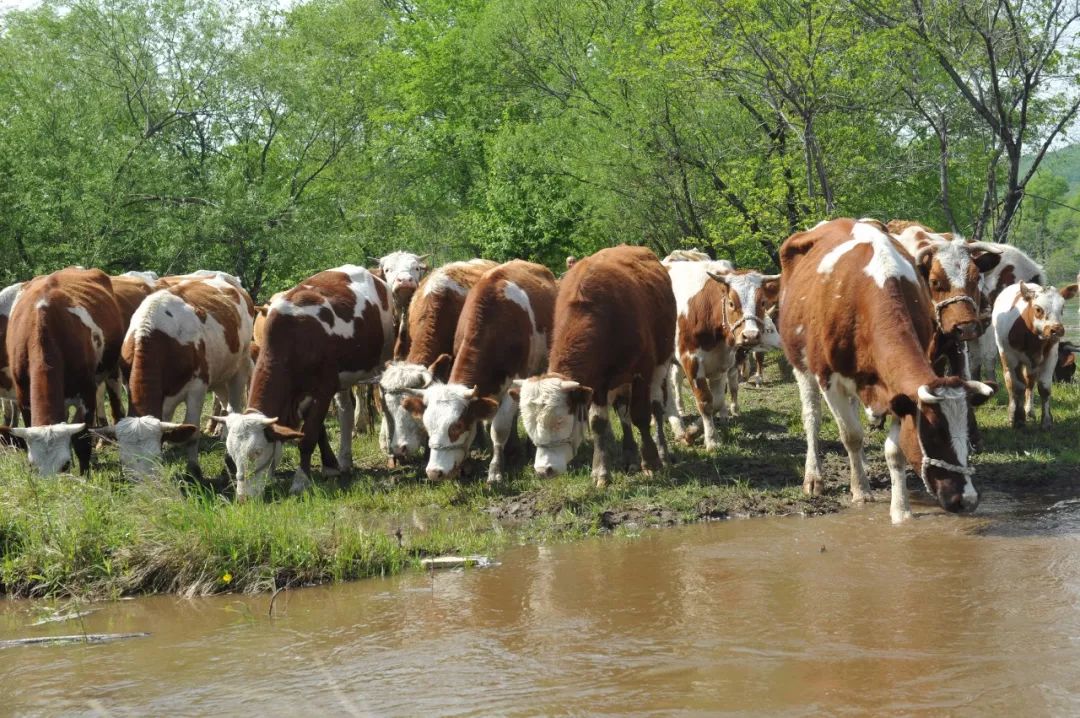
[1064,162]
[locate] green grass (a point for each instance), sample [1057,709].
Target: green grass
[106,536]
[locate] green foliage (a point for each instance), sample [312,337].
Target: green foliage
[272,143]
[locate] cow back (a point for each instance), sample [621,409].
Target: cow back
[434,311]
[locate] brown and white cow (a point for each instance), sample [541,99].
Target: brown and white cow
[614,331]
[854,326]
[427,333]
[717,313]
[7,384]
[503,334]
[184,341]
[1014,266]
[323,336]
[63,339]
[1028,325]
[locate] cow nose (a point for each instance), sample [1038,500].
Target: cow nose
[435,474]
[1056,330]
[400,450]
[968,330]
[545,472]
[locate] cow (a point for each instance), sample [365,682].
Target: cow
[717,313]
[503,334]
[7,385]
[1014,266]
[63,340]
[322,337]
[402,272]
[855,325]
[1027,322]
[614,334]
[184,341]
[1066,364]
[426,334]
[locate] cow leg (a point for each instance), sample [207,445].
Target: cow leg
[630,458]
[603,443]
[328,460]
[314,433]
[659,400]
[503,424]
[82,442]
[899,509]
[192,413]
[641,415]
[1014,382]
[346,405]
[703,395]
[733,389]
[675,406]
[114,388]
[845,409]
[1029,392]
[1045,378]
[810,397]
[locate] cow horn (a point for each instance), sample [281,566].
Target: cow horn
[769,277]
[984,247]
[923,251]
[423,257]
[218,419]
[979,387]
[169,425]
[567,385]
[108,432]
[718,277]
[926,396]
[370,380]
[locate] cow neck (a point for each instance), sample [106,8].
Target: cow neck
[482,365]
[47,404]
[900,361]
[147,393]
[271,386]
[579,366]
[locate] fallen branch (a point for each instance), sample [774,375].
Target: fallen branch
[63,640]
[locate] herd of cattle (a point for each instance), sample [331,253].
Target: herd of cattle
[896,319]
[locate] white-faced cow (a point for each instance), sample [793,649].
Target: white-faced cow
[502,334]
[614,332]
[402,272]
[1014,266]
[63,339]
[322,337]
[1028,325]
[184,341]
[426,334]
[855,326]
[718,313]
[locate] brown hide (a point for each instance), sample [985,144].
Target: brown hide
[614,320]
[52,352]
[433,315]
[494,333]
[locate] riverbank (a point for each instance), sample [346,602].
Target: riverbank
[105,537]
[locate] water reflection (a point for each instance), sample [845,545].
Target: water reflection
[841,614]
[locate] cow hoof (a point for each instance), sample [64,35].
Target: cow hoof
[331,471]
[813,486]
[300,484]
[600,480]
[862,497]
[495,477]
[712,446]
[900,516]
[392,463]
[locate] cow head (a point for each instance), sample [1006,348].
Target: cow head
[953,270]
[405,433]
[48,447]
[140,438]
[934,429]
[554,410]
[402,272]
[253,441]
[1045,308]
[749,296]
[449,413]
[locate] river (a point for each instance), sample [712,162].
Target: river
[843,614]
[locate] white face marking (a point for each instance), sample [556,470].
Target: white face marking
[747,287]
[253,453]
[444,408]
[406,433]
[402,270]
[49,447]
[139,441]
[955,259]
[886,262]
[954,407]
[550,424]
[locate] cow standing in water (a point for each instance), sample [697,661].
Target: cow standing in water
[427,333]
[856,325]
[1028,327]
[614,333]
[184,341]
[503,334]
[322,337]
[63,340]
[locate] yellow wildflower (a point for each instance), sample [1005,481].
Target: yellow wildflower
[226,577]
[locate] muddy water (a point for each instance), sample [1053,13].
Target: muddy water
[842,615]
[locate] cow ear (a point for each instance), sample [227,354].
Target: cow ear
[277,432]
[771,289]
[440,368]
[986,261]
[579,397]
[482,408]
[414,404]
[1069,292]
[201,314]
[262,309]
[178,433]
[515,393]
[903,405]
[1025,293]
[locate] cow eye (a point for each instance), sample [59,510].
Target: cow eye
[939,286]
[1038,311]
